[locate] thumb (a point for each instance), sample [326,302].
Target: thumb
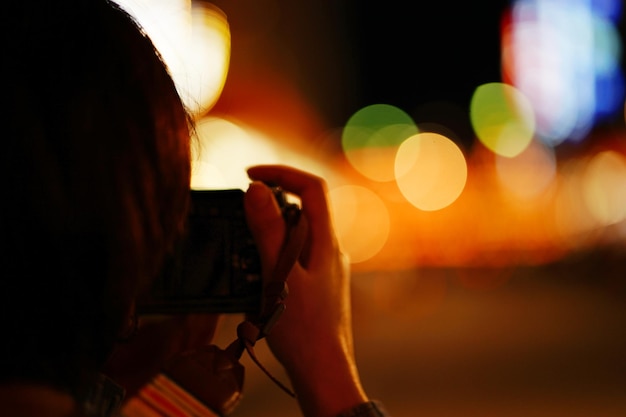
[266,224]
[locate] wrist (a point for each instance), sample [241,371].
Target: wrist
[328,388]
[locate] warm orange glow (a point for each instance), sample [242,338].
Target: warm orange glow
[575,225]
[528,174]
[403,199]
[361,221]
[375,163]
[529,211]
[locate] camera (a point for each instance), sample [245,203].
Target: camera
[215,267]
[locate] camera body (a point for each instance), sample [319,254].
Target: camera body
[215,266]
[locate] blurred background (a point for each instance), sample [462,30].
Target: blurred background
[476,162]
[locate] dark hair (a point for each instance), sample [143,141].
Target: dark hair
[94,177]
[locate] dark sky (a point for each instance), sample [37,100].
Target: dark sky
[409,54]
[451,47]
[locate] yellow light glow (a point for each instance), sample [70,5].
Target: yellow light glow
[431,171]
[361,221]
[222,150]
[194,43]
[207,58]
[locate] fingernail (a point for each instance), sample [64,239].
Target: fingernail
[258,195]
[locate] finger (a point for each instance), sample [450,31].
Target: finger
[266,224]
[313,193]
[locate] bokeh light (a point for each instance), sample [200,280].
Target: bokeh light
[371,138]
[194,40]
[203,75]
[361,221]
[222,150]
[430,170]
[502,118]
[565,58]
[573,220]
[391,163]
[604,187]
[528,174]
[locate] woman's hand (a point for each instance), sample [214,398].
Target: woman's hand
[313,337]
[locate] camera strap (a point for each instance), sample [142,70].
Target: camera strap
[275,292]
